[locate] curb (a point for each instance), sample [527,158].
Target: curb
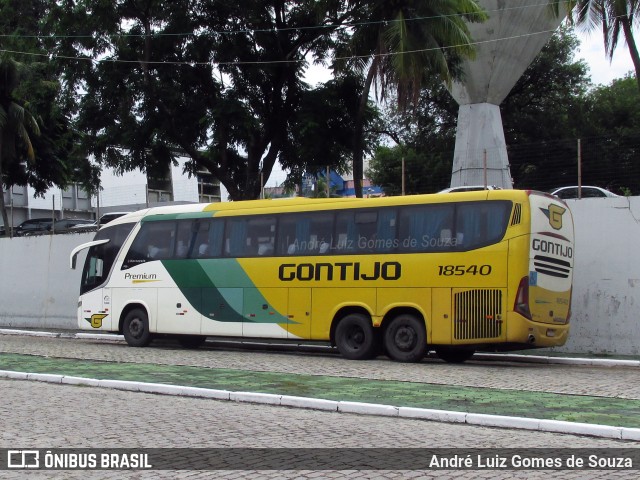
[444,416]
[600,362]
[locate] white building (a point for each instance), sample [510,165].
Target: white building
[127,192]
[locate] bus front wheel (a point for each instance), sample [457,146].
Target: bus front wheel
[355,337]
[405,339]
[136,328]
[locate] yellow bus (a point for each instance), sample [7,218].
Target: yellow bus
[452,272]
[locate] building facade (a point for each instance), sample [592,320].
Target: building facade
[127,192]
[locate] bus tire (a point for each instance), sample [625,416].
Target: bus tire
[405,339]
[136,328]
[191,341]
[454,355]
[356,338]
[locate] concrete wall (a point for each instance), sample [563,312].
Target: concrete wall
[37,288]
[606,291]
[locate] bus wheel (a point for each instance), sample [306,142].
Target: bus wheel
[405,339]
[191,341]
[355,337]
[136,328]
[454,355]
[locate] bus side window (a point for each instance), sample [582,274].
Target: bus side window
[208,238]
[185,233]
[426,228]
[161,240]
[154,241]
[482,223]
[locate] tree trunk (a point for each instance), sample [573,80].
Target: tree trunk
[633,48]
[358,136]
[3,208]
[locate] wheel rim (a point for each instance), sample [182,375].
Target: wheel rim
[355,338]
[136,327]
[405,338]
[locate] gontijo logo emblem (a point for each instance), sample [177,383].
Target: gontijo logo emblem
[96,319]
[554,214]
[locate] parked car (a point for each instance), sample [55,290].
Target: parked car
[34,226]
[107,217]
[84,227]
[64,225]
[469,188]
[95,225]
[587,192]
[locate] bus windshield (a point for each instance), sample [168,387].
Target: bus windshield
[100,258]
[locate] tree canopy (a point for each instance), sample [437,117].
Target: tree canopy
[217,80]
[547,105]
[616,19]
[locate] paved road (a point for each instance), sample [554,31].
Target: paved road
[567,379]
[59,416]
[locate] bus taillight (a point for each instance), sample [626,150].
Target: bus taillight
[522,299]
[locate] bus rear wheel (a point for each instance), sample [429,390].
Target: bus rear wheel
[136,328]
[405,339]
[355,337]
[454,355]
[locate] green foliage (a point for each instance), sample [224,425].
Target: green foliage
[611,145]
[322,129]
[616,19]
[399,45]
[218,80]
[548,104]
[55,158]
[425,172]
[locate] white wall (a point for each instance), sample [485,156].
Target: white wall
[37,288]
[185,188]
[606,287]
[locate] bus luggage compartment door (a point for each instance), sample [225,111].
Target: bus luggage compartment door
[299,313]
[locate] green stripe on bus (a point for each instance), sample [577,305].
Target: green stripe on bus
[177,216]
[198,281]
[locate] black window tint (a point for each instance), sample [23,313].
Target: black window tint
[208,240]
[100,258]
[480,224]
[250,236]
[155,241]
[305,234]
[356,231]
[568,193]
[366,231]
[386,231]
[426,228]
[184,238]
[592,193]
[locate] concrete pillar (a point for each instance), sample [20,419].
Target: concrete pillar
[506,44]
[481,151]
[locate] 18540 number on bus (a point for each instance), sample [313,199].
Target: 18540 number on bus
[459,270]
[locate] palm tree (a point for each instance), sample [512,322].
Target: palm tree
[16,126]
[615,17]
[401,43]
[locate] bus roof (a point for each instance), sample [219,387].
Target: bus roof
[308,204]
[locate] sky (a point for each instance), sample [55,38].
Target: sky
[601,70]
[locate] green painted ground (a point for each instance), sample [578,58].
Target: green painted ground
[575,408]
